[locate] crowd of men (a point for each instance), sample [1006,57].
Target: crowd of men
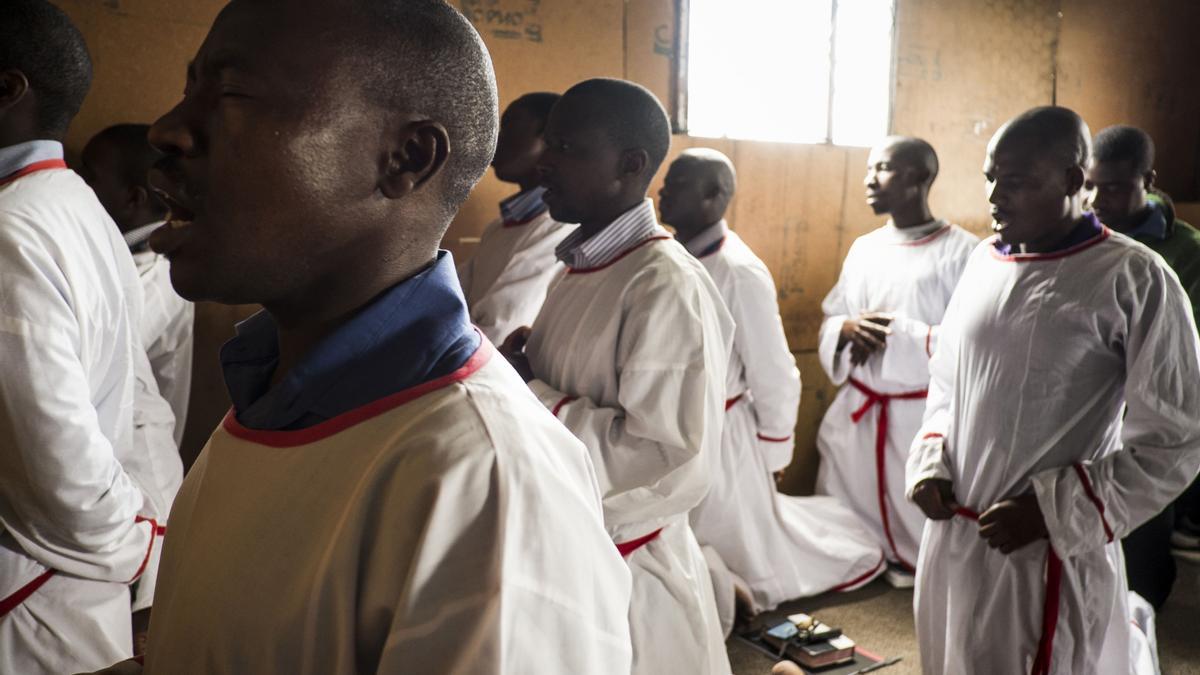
[562,454]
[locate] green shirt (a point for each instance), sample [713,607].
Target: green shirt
[1179,245]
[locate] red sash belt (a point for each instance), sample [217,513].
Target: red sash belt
[1054,566]
[13,601]
[875,398]
[627,548]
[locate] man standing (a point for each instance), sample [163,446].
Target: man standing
[1027,464]
[1120,187]
[73,530]
[385,496]
[880,328]
[505,282]
[770,547]
[116,162]
[630,352]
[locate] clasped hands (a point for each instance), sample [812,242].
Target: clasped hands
[866,335]
[1007,526]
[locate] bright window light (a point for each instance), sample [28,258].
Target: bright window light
[798,71]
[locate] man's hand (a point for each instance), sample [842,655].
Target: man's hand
[1013,523]
[935,496]
[866,335]
[513,350]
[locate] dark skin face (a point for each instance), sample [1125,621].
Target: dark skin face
[895,185]
[691,199]
[287,186]
[589,180]
[1116,193]
[130,206]
[18,109]
[518,148]
[1034,195]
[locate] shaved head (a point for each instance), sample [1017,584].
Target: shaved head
[628,113]
[914,152]
[715,167]
[1056,133]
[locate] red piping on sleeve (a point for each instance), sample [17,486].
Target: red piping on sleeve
[769,439]
[558,406]
[1087,487]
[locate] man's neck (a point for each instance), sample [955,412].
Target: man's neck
[593,225]
[1132,221]
[914,214]
[686,233]
[1054,235]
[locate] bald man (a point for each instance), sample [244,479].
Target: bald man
[115,163]
[880,329]
[768,546]
[385,496]
[505,282]
[630,351]
[1025,464]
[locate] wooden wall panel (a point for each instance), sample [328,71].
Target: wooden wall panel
[964,67]
[1126,62]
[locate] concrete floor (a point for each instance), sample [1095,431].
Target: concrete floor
[880,619]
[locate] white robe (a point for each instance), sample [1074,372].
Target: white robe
[1038,354]
[505,282]
[454,531]
[69,305]
[910,275]
[632,358]
[781,547]
[167,334]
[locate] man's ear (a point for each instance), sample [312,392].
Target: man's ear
[13,87]
[1148,179]
[419,153]
[1075,180]
[634,162]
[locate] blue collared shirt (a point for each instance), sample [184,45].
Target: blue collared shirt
[16,157]
[416,331]
[1154,226]
[633,226]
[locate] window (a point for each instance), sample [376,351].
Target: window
[800,71]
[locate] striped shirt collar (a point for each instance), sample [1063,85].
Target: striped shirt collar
[633,226]
[137,237]
[523,206]
[16,157]
[703,243]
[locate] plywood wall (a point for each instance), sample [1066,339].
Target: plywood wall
[962,68]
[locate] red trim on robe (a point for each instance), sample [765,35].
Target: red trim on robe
[862,578]
[771,439]
[928,339]
[622,254]
[558,406]
[1054,255]
[927,238]
[286,439]
[44,165]
[627,548]
[932,434]
[149,549]
[1087,487]
[729,403]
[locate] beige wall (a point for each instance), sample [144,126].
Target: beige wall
[962,68]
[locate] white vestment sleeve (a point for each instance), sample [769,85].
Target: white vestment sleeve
[835,362]
[927,456]
[1092,503]
[520,287]
[770,368]
[63,494]
[647,449]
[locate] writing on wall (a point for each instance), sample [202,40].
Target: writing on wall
[505,19]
